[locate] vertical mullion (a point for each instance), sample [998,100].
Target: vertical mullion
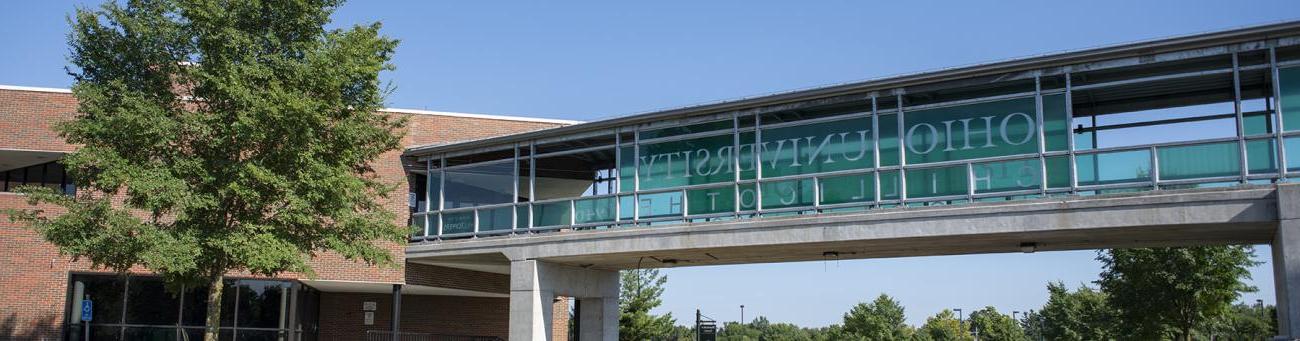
[758,164]
[1069,133]
[618,174]
[1236,108]
[1277,114]
[902,151]
[636,178]
[735,164]
[442,189]
[875,148]
[514,207]
[1155,168]
[429,205]
[532,181]
[970,182]
[1042,136]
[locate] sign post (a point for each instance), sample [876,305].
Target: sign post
[87,314]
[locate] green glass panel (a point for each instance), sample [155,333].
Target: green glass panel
[711,200]
[551,214]
[818,147]
[1261,123]
[1292,145]
[888,139]
[686,129]
[1058,171]
[889,185]
[434,186]
[458,222]
[848,188]
[792,193]
[1199,161]
[936,182]
[627,170]
[593,210]
[1113,167]
[747,171]
[1004,176]
[495,219]
[417,225]
[1289,86]
[695,161]
[748,197]
[627,207]
[522,212]
[971,131]
[1055,124]
[660,205]
[1261,157]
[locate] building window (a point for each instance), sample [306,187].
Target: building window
[141,308]
[50,174]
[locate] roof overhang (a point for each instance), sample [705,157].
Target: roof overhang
[1061,60]
[387,288]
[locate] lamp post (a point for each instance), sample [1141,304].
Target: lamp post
[959,317]
[1013,315]
[742,314]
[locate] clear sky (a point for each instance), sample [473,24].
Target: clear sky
[586,60]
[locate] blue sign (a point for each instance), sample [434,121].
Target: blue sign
[87,312]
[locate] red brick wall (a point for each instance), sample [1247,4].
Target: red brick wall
[33,276]
[453,315]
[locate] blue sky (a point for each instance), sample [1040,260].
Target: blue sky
[586,60]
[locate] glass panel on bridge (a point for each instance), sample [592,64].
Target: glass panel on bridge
[817,147]
[848,189]
[1208,121]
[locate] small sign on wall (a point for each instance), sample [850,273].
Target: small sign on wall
[369,306]
[370,318]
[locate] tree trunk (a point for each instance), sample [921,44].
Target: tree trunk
[213,325]
[1187,334]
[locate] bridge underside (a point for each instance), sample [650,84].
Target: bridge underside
[582,264]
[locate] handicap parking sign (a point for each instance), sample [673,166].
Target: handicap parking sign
[87,312]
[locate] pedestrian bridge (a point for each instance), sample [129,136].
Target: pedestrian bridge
[1181,141]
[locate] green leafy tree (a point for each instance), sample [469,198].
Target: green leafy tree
[882,319]
[1175,290]
[1081,315]
[1033,323]
[238,135]
[639,293]
[990,325]
[1245,322]
[762,329]
[943,326]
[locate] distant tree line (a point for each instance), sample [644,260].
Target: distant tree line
[1175,293]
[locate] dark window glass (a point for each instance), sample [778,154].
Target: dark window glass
[260,304]
[257,335]
[106,292]
[574,175]
[417,183]
[686,129]
[150,333]
[148,302]
[594,141]
[482,184]
[481,157]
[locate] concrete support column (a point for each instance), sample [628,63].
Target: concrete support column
[1286,262]
[534,285]
[598,318]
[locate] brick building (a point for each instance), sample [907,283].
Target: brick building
[345,301]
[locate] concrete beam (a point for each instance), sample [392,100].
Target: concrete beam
[1286,262]
[1158,218]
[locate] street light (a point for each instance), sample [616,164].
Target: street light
[1013,315]
[742,314]
[959,317]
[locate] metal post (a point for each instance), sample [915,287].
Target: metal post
[1277,113]
[618,175]
[1155,168]
[875,148]
[735,164]
[429,204]
[442,189]
[1236,108]
[758,165]
[532,180]
[902,151]
[1069,133]
[1042,136]
[636,178]
[514,209]
[397,312]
